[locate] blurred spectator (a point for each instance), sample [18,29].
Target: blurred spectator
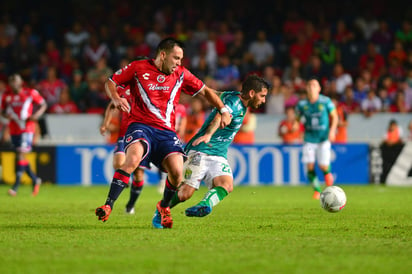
[342,34]
[372,60]
[76,38]
[360,89]
[213,48]
[200,34]
[51,87]
[292,25]
[398,52]
[349,102]
[290,130]
[227,75]
[311,33]
[196,116]
[302,48]
[366,24]
[371,104]
[95,50]
[246,133]
[315,68]
[341,78]
[396,70]
[290,96]
[140,47]
[292,74]
[24,56]
[65,104]
[326,49]
[154,36]
[383,37]
[78,90]
[394,134]
[96,98]
[389,85]
[404,33]
[53,53]
[341,130]
[385,99]
[275,100]
[99,72]
[262,51]
[200,68]
[225,34]
[399,103]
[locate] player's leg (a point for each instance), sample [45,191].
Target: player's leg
[173,164]
[134,154]
[184,193]
[135,189]
[308,157]
[219,179]
[194,169]
[324,155]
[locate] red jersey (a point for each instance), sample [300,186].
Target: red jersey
[155,94]
[20,107]
[51,90]
[124,116]
[69,107]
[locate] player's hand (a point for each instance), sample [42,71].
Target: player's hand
[202,139]
[226,119]
[103,130]
[332,135]
[122,104]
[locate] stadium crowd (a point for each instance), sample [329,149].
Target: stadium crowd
[360,50]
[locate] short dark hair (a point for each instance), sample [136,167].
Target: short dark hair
[168,44]
[254,82]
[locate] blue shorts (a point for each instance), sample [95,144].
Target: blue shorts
[159,143]
[119,148]
[22,142]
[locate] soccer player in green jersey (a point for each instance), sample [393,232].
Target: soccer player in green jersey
[320,121]
[207,150]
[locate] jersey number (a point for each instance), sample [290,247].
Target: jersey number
[226,168]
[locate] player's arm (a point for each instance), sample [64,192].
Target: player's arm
[107,117]
[118,102]
[333,124]
[211,129]
[215,101]
[42,108]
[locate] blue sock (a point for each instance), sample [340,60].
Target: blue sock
[119,182]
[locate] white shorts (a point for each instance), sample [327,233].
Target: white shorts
[317,151]
[202,167]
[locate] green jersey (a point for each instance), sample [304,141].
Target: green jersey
[315,118]
[223,137]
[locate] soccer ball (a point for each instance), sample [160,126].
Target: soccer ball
[333,199]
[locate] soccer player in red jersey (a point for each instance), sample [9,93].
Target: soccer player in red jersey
[17,105]
[155,87]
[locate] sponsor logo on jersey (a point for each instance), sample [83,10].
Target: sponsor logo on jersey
[156,87]
[146,76]
[118,72]
[128,139]
[161,78]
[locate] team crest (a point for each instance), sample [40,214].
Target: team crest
[188,173]
[320,107]
[128,139]
[161,78]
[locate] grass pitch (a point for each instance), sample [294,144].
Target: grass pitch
[254,230]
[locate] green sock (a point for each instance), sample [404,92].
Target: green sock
[313,179]
[175,200]
[214,196]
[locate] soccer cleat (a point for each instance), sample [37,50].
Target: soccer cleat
[103,212]
[157,219]
[198,210]
[129,210]
[316,195]
[12,192]
[36,187]
[166,218]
